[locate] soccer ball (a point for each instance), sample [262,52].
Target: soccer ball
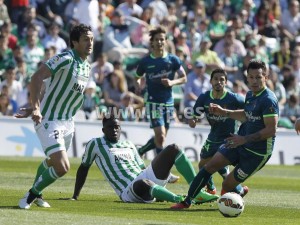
[231,204]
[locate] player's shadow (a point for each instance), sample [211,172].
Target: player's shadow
[182,210]
[9,207]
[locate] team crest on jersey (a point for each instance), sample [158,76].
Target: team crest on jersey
[54,60]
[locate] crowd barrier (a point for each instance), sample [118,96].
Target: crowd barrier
[18,138]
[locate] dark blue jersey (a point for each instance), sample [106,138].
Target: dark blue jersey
[154,70]
[221,126]
[258,107]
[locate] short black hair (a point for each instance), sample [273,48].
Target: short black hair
[157,30]
[77,31]
[257,64]
[218,70]
[108,117]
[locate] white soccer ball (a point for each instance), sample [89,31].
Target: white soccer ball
[231,204]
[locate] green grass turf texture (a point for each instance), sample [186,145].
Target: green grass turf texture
[273,199]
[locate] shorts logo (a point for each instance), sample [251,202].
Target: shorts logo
[46,125]
[242,174]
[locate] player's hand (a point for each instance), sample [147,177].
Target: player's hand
[297,126]
[234,141]
[36,116]
[24,113]
[166,82]
[216,109]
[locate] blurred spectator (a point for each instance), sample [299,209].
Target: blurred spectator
[23,98]
[132,106]
[248,14]
[6,31]
[283,56]
[100,69]
[160,9]
[21,71]
[113,88]
[130,8]
[193,37]
[3,13]
[198,12]
[232,61]
[266,22]
[181,43]
[33,52]
[107,7]
[49,53]
[291,85]
[254,51]
[16,9]
[197,83]
[53,39]
[207,56]
[117,43]
[241,28]
[6,55]
[278,88]
[14,86]
[230,37]
[291,110]
[6,108]
[29,17]
[91,99]
[290,20]
[83,11]
[240,87]
[217,27]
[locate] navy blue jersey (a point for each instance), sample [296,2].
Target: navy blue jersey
[257,107]
[154,69]
[221,126]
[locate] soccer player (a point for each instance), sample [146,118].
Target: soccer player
[67,75]
[221,127]
[159,69]
[249,150]
[125,171]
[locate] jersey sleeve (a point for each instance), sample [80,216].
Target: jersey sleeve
[58,62]
[270,108]
[240,101]
[198,108]
[176,63]
[89,153]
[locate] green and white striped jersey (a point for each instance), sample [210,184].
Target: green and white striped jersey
[64,90]
[119,162]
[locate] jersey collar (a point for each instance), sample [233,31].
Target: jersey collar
[223,96]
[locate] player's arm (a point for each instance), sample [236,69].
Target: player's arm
[81,175]
[36,85]
[180,80]
[265,133]
[232,114]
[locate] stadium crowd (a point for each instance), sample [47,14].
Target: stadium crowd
[205,35]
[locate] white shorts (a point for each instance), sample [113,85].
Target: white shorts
[55,135]
[128,194]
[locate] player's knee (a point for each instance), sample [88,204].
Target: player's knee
[172,148]
[62,169]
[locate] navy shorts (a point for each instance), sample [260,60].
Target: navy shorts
[160,116]
[246,162]
[209,149]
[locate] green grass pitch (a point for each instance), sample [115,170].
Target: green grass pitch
[274,198]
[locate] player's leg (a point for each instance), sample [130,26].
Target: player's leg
[147,147]
[170,156]
[148,190]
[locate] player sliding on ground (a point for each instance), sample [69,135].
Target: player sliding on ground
[125,171]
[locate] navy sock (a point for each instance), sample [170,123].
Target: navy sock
[147,147]
[198,183]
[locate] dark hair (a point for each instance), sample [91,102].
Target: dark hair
[218,70]
[157,30]
[77,31]
[257,64]
[108,117]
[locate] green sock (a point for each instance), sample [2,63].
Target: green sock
[43,166]
[47,178]
[185,167]
[147,147]
[162,193]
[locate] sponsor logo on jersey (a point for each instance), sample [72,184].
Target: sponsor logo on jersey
[78,87]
